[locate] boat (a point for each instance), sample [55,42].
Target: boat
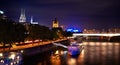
[73,49]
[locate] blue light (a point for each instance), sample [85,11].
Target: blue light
[73,30]
[69,30]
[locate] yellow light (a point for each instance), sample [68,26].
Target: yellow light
[72,61]
[1,54]
[57,52]
[12,56]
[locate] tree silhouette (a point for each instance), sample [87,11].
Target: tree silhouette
[11,32]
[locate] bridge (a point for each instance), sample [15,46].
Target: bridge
[96,34]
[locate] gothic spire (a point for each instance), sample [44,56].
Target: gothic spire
[22,16]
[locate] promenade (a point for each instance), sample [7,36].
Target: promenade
[14,47]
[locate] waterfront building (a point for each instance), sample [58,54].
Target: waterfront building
[114,30]
[90,31]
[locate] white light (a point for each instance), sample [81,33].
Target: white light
[95,34]
[11,63]
[1,12]
[12,56]
[21,51]
[2,61]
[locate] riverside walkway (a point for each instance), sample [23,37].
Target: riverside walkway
[14,47]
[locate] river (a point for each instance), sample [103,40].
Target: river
[94,53]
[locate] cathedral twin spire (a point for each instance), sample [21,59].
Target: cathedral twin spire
[22,16]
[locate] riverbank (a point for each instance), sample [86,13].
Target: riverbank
[14,48]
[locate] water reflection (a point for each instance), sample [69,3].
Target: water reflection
[56,57]
[75,60]
[10,58]
[94,53]
[102,53]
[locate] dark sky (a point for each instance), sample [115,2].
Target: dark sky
[89,14]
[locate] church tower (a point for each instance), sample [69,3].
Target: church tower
[55,23]
[31,21]
[22,16]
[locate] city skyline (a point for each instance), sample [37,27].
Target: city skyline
[70,13]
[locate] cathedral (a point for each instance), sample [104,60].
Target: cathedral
[22,18]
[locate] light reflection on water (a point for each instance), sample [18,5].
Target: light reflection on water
[94,53]
[10,58]
[102,53]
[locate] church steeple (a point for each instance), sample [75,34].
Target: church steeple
[22,16]
[55,23]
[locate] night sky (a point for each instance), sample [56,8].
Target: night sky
[82,14]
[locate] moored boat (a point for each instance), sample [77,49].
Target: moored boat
[73,49]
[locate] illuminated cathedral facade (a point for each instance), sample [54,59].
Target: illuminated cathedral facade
[22,18]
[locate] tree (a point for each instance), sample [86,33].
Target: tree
[56,33]
[38,32]
[11,32]
[20,32]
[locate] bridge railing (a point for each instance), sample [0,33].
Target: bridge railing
[97,34]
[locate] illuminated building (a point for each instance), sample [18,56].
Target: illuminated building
[55,23]
[22,16]
[73,30]
[91,31]
[114,30]
[31,21]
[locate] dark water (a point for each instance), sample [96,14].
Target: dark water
[94,53]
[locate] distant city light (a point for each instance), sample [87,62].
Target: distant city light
[1,12]
[12,56]
[73,30]
[69,30]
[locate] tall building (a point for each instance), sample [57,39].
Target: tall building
[55,23]
[22,16]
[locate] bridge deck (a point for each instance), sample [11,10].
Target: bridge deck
[105,34]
